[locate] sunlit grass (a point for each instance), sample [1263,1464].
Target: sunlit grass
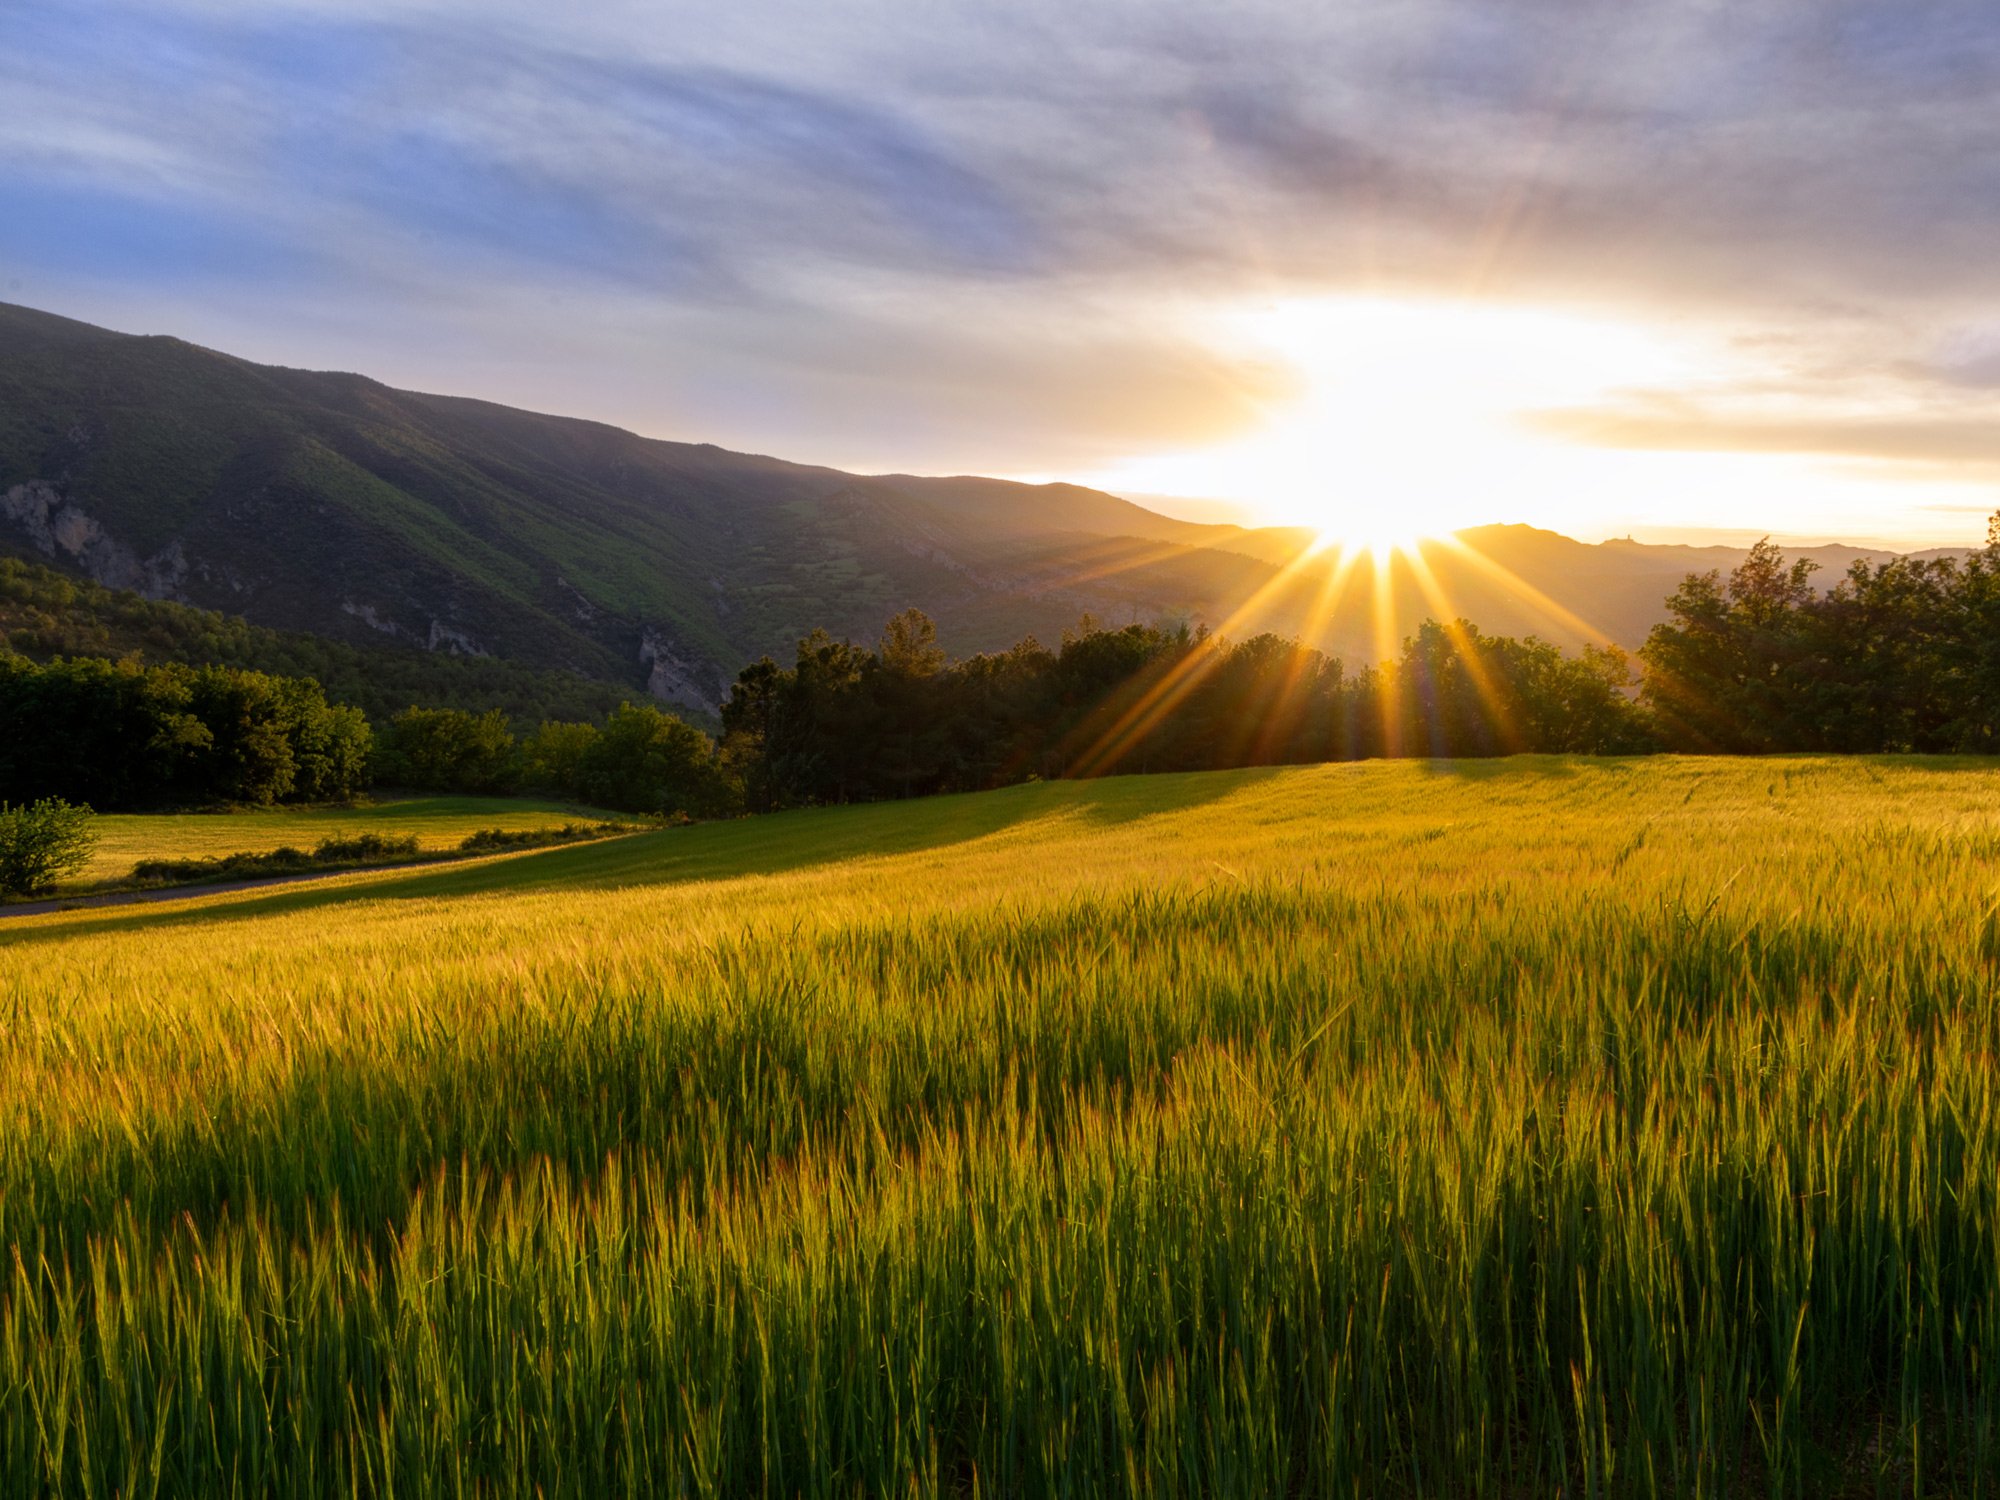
[437,823]
[1506,1128]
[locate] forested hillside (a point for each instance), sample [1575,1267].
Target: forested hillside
[44,614]
[331,504]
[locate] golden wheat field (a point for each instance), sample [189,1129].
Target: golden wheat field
[1522,1127]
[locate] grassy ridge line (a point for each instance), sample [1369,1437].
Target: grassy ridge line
[1367,1129]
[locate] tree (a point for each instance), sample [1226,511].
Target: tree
[551,756]
[113,734]
[250,755]
[1722,674]
[997,716]
[752,720]
[901,685]
[1874,673]
[331,743]
[1970,651]
[909,647]
[1106,716]
[118,735]
[1579,705]
[42,842]
[447,750]
[647,761]
[1262,704]
[824,750]
[1456,695]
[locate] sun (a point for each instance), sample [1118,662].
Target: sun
[1405,419]
[1381,538]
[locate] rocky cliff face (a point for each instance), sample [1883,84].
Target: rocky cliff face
[63,532]
[674,677]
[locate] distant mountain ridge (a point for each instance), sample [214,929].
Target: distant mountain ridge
[332,504]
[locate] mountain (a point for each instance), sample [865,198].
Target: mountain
[332,504]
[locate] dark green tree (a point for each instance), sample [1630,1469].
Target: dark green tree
[331,743]
[447,750]
[250,755]
[754,725]
[644,760]
[551,757]
[1722,674]
[902,692]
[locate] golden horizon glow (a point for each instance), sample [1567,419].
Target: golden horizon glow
[1412,419]
[1378,537]
[1405,422]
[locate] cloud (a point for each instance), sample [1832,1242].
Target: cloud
[1968,357]
[888,235]
[111,233]
[1952,445]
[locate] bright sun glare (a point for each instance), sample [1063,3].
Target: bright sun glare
[1406,419]
[1407,422]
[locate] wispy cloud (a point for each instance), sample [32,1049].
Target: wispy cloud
[1948,443]
[958,236]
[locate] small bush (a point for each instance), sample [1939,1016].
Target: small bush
[40,842]
[487,840]
[328,854]
[362,849]
[365,846]
[490,840]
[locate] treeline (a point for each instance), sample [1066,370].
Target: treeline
[1900,656]
[122,735]
[846,723]
[1897,656]
[638,759]
[45,615]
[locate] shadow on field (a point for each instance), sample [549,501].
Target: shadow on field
[772,844]
[1522,767]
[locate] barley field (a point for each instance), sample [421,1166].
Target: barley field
[1518,1128]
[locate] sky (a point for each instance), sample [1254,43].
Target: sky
[1676,270]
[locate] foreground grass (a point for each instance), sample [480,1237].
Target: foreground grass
[435,822]
[1521,1128]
